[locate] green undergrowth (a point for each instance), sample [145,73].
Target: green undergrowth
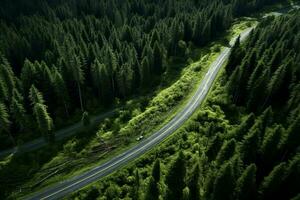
[119,133]
[123,135]
[190,141]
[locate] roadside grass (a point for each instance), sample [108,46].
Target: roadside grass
[138,121]
[146,121]
[185,138]
[172,144]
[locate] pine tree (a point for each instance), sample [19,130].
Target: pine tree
[275,85]
[246,185]
[175,179]
[152,192]
[145,73]
[226,152]
[17,111]
[194,184]
[96,75]
[106,86]
[198,30]
[257,91]
[111,67]
[156,171]
[214,147]
[136,187]
[28,75]
[35,96]
[124,80]
[60,90]
[44,121]
[269,149]
[224,183]
[206,32]
[249,146]
[3,91]
[8,76]
[271,184]
[158,58]
[5,122]
[239,132]
[291,138]
[78,76]
[291,181]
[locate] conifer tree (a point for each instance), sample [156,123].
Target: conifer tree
[145,73]
[17,111]
[78,76]
[197,34]
[158,58]
[175,179]
[44,121]
[5,122]
[60,90]
[28,75]
[226,152]
[269,149]
[246,185]
[35,96]
[249,146]
[224,183]
[136,187]
[272,183]
[194,184]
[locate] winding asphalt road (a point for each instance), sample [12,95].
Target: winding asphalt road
[63,188]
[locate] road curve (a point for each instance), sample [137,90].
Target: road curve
[63,188]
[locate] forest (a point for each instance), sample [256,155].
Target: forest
[60,59]
[63,60]
[243,144]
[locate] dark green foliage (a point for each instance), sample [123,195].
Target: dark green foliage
[246,184]
[175,179]
[4,121]
[152,192]
[250,145]
[270,146]
[156,171]
[136,187]
[224,183]
[226,151]
[84,54]
[214,147]
[272,182]
[86,119]
[44,121]
[194,184]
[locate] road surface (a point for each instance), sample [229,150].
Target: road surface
[63,188]
[59,135]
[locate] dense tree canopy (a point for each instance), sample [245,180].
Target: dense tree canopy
[69,49]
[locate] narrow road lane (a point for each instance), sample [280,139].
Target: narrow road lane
[59,135]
